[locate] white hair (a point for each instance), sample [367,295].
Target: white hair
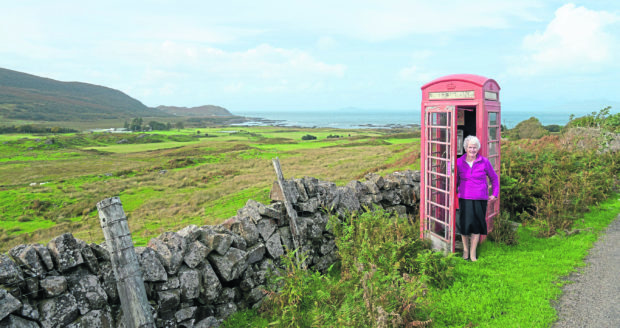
[470,139]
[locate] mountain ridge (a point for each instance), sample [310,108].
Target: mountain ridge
[26,96]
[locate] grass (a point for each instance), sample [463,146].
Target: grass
[516,286]
[510,286]
[168,179]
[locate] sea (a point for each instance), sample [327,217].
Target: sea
[375,119]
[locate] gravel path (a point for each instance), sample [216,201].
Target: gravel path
[593,300]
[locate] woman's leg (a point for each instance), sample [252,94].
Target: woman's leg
[474,244]
[465,246]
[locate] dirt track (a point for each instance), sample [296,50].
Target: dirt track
[593,300]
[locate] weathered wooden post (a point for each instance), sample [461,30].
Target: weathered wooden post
[135,305]
[289,207]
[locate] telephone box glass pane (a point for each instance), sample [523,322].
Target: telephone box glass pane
[492,118]
[492,148]
[440,134]
[439,119]
[492,133]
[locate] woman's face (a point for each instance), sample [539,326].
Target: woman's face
[472,149]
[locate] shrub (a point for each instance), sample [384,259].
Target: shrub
[549,185]
[373,289]
[308,137]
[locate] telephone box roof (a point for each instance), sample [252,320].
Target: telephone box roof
[472,78]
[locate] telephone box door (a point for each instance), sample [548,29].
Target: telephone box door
[439,186]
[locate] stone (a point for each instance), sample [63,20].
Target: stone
[301,190]
[29,312]
[102,254]
[245,228]
[94,319]
[328,194]
[376,179]
[266,227]
[218,242]
[247,280]
[190,233]
[32,286]
[256,253]
[250,211]
[59,311]
[66,252]
[88,294]
[263,269]
[231,265]
[415,175]
[167,302]
[196,253]
[274,246]
[391,197]
[256,294]
[53,285]
[171,247]
[170,284]
[189,280]
[327,246]
[44,256]
[13,321]
[10,272]
[8,304]
[407,195]
[399,210]
[371,187]
[356,187]
[227,295]
[348,201]
[238,241]
[311,185]
[311,205]
[286,238]
[185,314]
[210,286]
[151,265]
[108,282]
[187,323]
[89,258]
[209,322]
[225,310]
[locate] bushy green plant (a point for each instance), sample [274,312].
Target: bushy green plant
[549,185]
[373,288]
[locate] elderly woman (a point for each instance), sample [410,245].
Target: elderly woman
[473,192]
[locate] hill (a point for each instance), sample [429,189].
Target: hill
[201,111]
[29,97]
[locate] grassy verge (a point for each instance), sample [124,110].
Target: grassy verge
[510,286]
[514,286]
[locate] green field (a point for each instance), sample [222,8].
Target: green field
[50,184]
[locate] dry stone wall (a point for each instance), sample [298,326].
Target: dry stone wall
[195,277]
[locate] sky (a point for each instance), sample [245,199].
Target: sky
[320,55]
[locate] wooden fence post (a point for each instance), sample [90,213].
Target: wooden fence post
[135,305]
[289,207]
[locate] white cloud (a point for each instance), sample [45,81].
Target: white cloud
[415,74]
[577,39]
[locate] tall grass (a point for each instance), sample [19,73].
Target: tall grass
[201,182]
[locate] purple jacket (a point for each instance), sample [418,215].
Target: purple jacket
[471,182]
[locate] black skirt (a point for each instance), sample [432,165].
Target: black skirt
[472,218]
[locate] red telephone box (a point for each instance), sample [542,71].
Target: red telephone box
[454,107]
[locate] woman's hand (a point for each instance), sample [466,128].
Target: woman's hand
[492,197]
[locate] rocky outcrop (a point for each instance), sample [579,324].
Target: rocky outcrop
[195,277]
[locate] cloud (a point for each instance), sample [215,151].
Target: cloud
[577,39]
[415,74]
